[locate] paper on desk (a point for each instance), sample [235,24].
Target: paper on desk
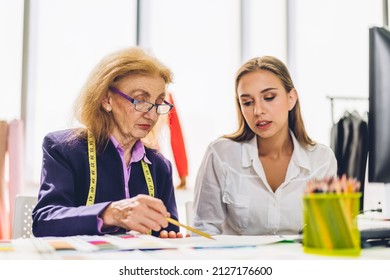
[375,220]
[147,242]
[225,241]
[140,242]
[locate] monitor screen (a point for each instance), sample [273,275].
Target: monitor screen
[379,105]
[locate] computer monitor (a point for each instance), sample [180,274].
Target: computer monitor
[379,110]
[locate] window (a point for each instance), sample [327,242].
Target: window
[329,54]
[200,42]
[67,39]
[11,49]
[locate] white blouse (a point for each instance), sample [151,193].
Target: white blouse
[232,195]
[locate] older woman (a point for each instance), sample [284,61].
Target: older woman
[102,178]
[252,181]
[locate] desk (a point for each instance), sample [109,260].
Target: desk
[194,248]
[144,247]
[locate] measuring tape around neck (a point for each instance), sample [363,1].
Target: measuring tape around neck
[92,169]
[93,172]
[148,178]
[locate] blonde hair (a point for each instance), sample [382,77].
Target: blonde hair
[88,109]
[277,67]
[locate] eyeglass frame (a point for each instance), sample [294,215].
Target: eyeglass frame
[135,102]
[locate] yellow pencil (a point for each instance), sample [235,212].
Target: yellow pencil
[194,230]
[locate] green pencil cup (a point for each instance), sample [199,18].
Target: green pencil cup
[331,224]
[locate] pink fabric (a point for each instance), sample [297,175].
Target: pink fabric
[5,231]
[16,153]
[11,172]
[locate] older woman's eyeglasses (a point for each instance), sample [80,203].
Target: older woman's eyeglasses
[144,106]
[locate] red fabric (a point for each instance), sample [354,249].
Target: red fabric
[177,141]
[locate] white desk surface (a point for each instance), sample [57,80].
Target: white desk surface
[194,248]
[144,247]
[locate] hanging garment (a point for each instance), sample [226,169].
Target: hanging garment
[349,141]
[177,142]
[4,209]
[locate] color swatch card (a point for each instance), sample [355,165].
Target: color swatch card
[6,245]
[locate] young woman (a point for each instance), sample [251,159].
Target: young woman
[252,181]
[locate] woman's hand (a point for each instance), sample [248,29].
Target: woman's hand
[140,213]
[172,234]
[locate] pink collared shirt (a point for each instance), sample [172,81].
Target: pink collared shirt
[137,154]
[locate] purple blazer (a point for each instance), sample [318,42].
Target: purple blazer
[61,209]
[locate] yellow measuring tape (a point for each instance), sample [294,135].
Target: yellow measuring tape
[93,172]
[92,169]
[148,178]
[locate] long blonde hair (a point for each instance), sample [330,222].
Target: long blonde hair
[277,67]
[111,69]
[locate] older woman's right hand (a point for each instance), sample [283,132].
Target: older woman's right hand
[140,213]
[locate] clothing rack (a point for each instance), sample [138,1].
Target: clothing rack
[333,98]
